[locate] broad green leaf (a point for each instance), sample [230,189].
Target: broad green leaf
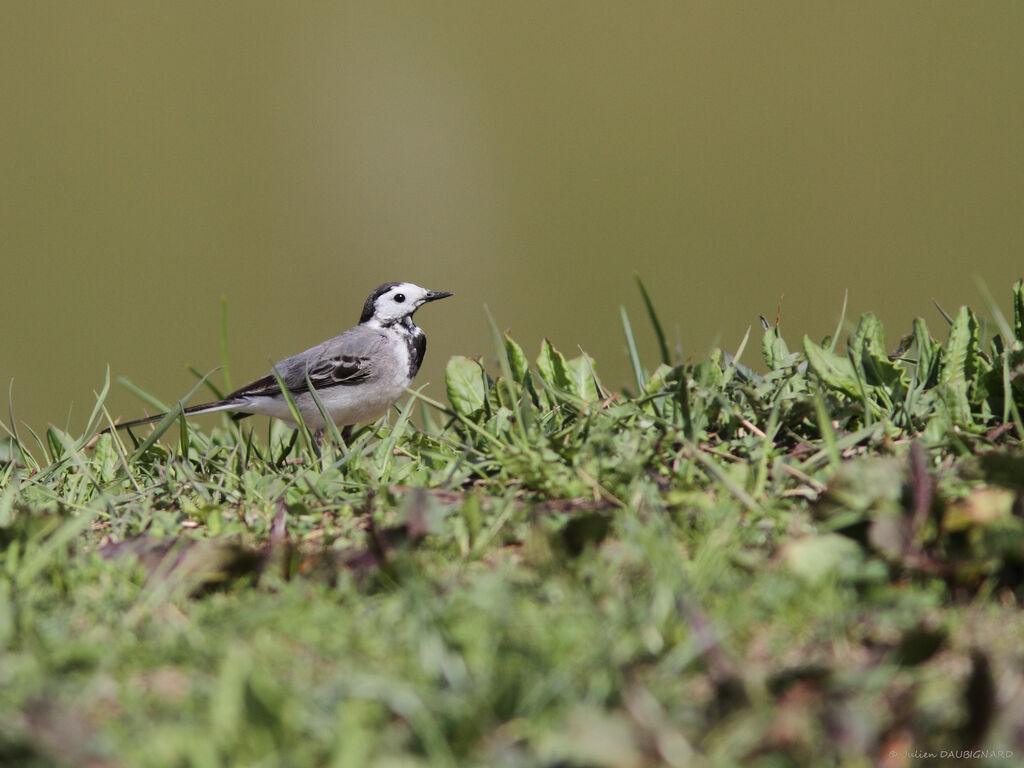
[464,381]
[869,335]
[869,350]
[658,378]
[500,423]
[502,396]
[581,376]
[954,395]
[516,359]
[773,349]
[105,458]
[54,444]
[552,367]
[836,373]
[960,358]
[711,374]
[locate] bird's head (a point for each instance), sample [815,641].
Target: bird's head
[392,302]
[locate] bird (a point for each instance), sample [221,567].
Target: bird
[358,374]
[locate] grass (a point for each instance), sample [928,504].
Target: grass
[815,564]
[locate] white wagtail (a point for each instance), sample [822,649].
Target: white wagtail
[358,374]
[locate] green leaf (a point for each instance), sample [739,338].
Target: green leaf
[657,379]
[960,362]
[927,353]
[516,359]
[581,376]
[836,373]
[959,366]
[634,355]
[818,558]
[658,332]
[105,458]
[773,348]
[464,381]
[884,380]
[552,367]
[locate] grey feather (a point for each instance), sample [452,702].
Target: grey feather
[352,357]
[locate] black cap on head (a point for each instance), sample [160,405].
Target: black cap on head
[372,298]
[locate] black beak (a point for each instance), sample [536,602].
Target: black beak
[435,295]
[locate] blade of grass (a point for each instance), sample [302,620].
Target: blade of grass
[178,411]
[307,443]
[41,444]
[995,311]
[119,447]
[329,425]
[51,543]
[839,326]
[942,312]
[733,363]
[73,451]
[387,450]
[634,356]
[828,435]
[26,456]
[455,415]
[224,343]
[143,395]
[506,373]
[602,393]
[97,412]
[731,485]
[662,346]
[1009,404]
[218,394]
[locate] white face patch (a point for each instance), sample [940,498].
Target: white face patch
[403,299]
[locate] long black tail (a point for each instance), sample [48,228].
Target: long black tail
[217,405]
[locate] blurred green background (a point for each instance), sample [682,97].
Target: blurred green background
[528,156]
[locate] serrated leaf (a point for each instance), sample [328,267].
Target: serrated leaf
[464,382]
[960,359]
[836,373]
[876,368]
[552,367]
[927,353]
[959,366]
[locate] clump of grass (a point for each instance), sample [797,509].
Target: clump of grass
[816,561]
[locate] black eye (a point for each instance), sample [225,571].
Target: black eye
[399,298]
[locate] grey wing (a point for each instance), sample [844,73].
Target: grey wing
[345,360]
